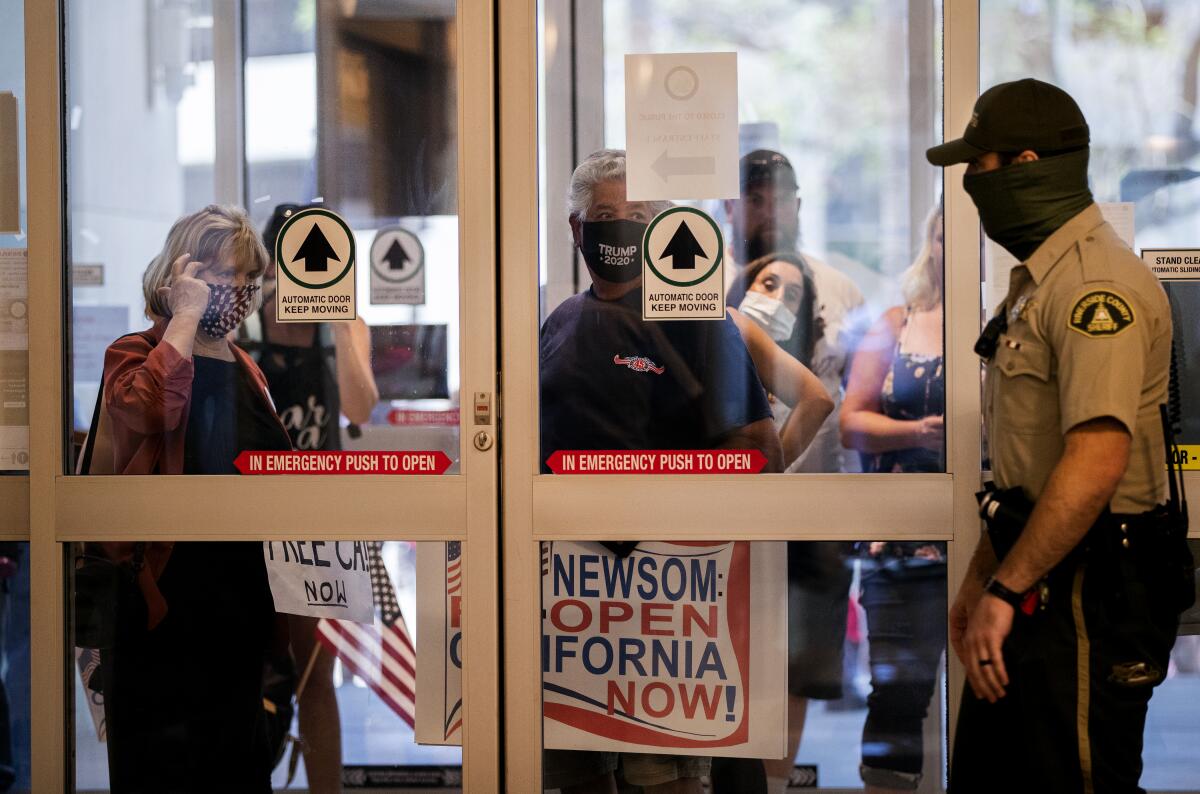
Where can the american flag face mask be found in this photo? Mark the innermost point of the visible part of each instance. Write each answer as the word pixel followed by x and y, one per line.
pixel 227 307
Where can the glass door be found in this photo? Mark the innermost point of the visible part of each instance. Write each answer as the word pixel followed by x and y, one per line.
pixel 652 450
pixel 265 265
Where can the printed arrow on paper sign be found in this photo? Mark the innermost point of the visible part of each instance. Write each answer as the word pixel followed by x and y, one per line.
pixel 667 166
pixel 315 251
pixel 396 256
pixel 683 249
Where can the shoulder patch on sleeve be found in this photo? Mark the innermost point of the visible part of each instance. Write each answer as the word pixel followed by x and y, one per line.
pixel 1101 313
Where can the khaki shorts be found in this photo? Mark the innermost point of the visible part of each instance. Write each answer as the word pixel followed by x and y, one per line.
pixel 572 767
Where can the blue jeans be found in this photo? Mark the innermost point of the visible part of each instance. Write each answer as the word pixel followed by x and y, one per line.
pixel 905 601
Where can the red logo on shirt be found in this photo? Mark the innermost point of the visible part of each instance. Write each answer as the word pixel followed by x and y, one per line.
pixel 639 364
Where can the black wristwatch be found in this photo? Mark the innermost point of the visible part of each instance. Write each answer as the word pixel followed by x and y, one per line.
pixel 1010 597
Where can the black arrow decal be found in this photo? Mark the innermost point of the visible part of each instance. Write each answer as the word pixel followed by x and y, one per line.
pixel 683 249
pixel 396 256
pixel 315 251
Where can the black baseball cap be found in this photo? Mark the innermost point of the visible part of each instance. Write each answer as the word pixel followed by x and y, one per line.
pixel 275 223
pixel 766 166
pixel 1013 117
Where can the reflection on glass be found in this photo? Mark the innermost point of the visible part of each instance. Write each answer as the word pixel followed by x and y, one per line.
pixel 175 664
pixel 14 313
pixel 865 639
pixel 839 215
pixel 330 137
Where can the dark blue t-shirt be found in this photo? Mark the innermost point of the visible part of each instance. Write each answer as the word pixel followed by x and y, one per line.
pixel 610 380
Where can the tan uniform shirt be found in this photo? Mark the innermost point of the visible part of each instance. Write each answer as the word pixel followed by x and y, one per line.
pixel 1089 336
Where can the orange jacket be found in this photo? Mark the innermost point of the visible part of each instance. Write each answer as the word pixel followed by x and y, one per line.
pixel 147 392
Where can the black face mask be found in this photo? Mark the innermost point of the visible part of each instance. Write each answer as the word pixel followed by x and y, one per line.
pixel 1022 204
pixel 612 249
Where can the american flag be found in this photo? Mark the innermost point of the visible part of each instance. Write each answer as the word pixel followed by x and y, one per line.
pixel 453 567
pixel 381 654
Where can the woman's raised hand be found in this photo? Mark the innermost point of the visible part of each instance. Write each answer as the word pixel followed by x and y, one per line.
pixel 187 294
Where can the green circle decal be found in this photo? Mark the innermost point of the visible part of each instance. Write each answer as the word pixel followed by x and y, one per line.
pixel 279 258
pixel 382 235
pixel 649 258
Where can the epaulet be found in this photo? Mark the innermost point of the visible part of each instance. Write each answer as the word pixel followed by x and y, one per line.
pixel 1095 252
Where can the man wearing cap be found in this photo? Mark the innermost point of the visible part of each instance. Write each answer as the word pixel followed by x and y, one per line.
pixel 1067 616
pixel 766 220
pixel 609 380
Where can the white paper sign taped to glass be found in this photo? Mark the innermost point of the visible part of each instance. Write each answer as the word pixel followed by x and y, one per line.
pixel 439 654
pixel 683 267
pixel 397 268
pixel 678 648
pixel 14 360
pixel 314 254
pixel 681 126
pixel 321 578
pixel 1173 264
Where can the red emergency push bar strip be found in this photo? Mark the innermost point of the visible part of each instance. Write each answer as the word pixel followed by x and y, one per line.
pixel 434 462
pixel 657 461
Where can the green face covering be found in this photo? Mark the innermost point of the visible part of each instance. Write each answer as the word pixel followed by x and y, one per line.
pixel 1022 204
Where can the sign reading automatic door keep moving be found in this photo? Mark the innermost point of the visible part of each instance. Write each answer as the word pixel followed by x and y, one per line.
pixel 397 267
pixel 683 275
pixel 315 257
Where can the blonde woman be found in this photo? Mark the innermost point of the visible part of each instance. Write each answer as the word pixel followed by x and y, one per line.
pixel 893 415
pixel 182 680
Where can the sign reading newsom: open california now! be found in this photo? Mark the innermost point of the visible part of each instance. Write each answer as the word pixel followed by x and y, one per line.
pixel 677 648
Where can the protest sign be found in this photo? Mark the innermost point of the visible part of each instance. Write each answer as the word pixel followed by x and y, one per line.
pixel 87 661
pixel 324 579
pixel 678 648
pixel 439 643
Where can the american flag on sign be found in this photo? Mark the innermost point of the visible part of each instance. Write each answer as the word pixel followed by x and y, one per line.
pixel 381 654
pixel 453 567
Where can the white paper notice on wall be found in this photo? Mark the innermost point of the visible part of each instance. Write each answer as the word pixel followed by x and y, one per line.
pixel 14 360
pixel 681 126
pixel 999 263
pixel 1173 264
pixel 10 181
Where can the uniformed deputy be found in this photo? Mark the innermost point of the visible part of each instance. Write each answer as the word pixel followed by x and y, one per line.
pixel 1066 620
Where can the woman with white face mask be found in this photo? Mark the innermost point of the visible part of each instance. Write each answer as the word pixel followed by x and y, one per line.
pixel 774 306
